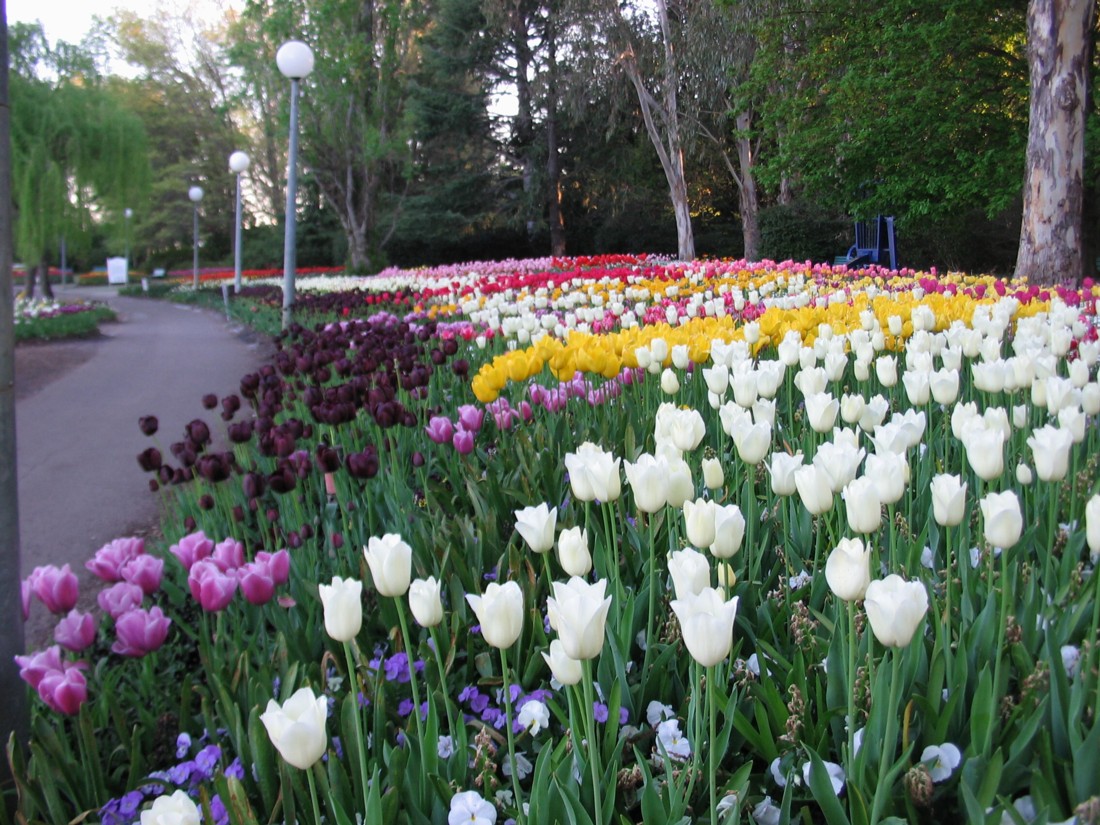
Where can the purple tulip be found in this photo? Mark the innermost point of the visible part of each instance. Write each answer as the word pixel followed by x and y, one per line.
pixel 212 588
pixel 440 430
pixel 278 563
pixel 33 667
pixel 228 554
pixel 25 592
pixel 470 417
pixel 76 631
pixel 64 690
pixel 148 424
pixel 192 548
pixel 108 561
pixel 119 598
pixel 145 571
pixel 463 441
pixel 140 632
pixel 57 588
pixel 257 583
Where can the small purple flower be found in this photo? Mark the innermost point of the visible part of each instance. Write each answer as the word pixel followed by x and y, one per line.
pixel 338 746
pixel 599 711
pixel 236 769
pixel 217 808
pixel 129 804
pixel 494 717
pixel 207 759
pixel 404 707
pixel 491 576
pixel 467 693
pixel 479 703
pixel 180 774
pixel 624 716
pixel 183 745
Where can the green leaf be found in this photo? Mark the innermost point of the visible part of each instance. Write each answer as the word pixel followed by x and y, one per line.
pixel 822 788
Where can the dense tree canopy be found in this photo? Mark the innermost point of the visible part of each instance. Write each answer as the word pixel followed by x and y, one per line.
pixel 460 129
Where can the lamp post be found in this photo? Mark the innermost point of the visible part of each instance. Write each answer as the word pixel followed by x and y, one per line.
pixel 238 163
pixel 295 61
pixel 127 214
pixel 195 194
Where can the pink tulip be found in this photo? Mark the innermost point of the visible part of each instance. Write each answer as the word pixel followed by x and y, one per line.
pixel 257 583
pixel 192 548
pixel 145 571
pixel 470 417
pixel 212 588
pixel 64 690
pixel 108 561
pixel 33 667
pixel 140 632
pixel 57 588
pixel 120 597
pixel 464 441
pixel 439 429
pixel 76 631
pixel 25 590
pixel 278 563
pixel 229 554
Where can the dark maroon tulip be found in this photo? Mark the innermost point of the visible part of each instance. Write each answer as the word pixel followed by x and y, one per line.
pixel 240 432
pixel 450 346
pixel 148 424
pixel 328 459
pixel 294 540
pixel 231 403
pixel 189 524
pixel 461 367
pixel 282 481
pixel 306 532
pixel 238 513
pixel 149 460
pixel 213 467
pixel 254 485
pixel 418 459
pixel 198 432
pixel 165 474
pixel 272 514
pixel 337 540
pixel 209 401
pixel 249 384
pixel 362 465
pixel 206 502
pixel 437 356
pixel 153 485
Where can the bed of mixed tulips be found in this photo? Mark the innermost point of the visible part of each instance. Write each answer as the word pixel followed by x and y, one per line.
pixel 607 540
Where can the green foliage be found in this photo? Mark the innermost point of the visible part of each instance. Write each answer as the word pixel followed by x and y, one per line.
pixel 803 231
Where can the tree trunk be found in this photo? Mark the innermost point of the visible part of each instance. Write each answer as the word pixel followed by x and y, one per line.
pixel 44 272
pixel 749 202
pixel 525 120
pixel 553 161
pixel 1051 244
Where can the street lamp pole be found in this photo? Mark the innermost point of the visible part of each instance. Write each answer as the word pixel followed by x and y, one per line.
pixel 295 61
pixel 195 194
pixel 238 163
pixel 127 214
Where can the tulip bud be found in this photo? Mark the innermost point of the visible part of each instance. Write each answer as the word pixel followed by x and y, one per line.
pixel 729 531
pixel 670 384
pixel 425 601
pixel 713 476
pixel 390 562
pixel 895 608
pixel 948 500
pixel 500 613
pixel 297 728
pixel 1023 474
pixel 573 553
pixel 566 670
pixel 848 570
pixel 343 607
pixel 690 572
pixel 1004 523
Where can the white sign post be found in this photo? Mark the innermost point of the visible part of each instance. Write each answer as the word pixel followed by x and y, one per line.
pixel 117 270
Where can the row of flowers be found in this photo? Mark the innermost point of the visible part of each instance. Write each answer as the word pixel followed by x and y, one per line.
pixel 850 575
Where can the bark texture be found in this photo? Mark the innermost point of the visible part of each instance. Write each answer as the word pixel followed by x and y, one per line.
pixel 1051 243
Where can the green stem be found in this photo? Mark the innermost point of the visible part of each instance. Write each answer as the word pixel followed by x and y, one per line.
pixel 361 740
pixel 653 579
pixel 947 633
pixel 409 656
pixel 888 741
pixel 588 711
pixel 442 682
pixel 852 644
pixel 712 755
pixel 511 737
pixel 313 795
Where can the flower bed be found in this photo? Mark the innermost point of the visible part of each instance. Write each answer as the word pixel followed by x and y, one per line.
pixel 850 576
pixel 43 319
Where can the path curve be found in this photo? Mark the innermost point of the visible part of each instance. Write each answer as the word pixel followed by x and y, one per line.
pixel 77 437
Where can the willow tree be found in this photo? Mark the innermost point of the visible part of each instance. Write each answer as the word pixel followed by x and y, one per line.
pixel 77 157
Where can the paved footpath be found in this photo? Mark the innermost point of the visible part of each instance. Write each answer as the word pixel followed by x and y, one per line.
pixel 77 437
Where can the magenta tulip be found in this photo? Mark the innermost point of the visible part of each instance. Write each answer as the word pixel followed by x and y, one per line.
pixel 108 561
pixel 57 588
pixel 140 632
pixel 440 429
pixel 278 563
pixel 145 571
pixel 228 554
pixel 25 592
pixel 257 583
pixel 464 441
pixel 470 417
pixel 64 690
pixel 33 667
pixel 211 587
pixel 119 598
pixel 191 548
pixel 76 631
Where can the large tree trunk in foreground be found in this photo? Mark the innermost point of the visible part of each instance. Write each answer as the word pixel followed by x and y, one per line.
pixel 1051 241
